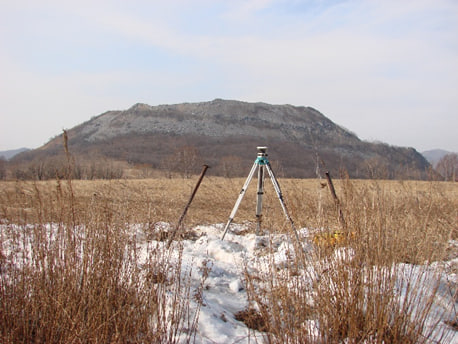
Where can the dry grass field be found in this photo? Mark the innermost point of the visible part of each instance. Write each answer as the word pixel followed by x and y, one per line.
pixel 409 213
pixel 82 284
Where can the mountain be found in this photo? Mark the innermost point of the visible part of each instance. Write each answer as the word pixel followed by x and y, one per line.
pixel 8 154
pixel 434 155
pixel 225 133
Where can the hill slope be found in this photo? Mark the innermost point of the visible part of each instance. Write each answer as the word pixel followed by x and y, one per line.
pixel 225 133
pixel 434 155
pixel 8 154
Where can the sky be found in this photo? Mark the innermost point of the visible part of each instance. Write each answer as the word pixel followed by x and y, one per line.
pixel 386 70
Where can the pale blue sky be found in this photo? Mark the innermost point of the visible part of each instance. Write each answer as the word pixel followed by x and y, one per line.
pixel 386 70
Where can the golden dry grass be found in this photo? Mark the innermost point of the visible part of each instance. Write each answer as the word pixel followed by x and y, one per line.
pixel 163 199
pixel 390 222
pixel 410 220
pixel 70 270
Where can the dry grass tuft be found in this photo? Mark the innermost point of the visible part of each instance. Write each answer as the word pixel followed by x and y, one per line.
pixel 363 290
pixel 71 271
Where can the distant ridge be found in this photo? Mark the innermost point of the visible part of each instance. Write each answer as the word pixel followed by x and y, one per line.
pixel 434 155
pixel 8 154
pixel 224 131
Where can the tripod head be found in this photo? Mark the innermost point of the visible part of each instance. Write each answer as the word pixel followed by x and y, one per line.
pixel 262 156
pixel 262 150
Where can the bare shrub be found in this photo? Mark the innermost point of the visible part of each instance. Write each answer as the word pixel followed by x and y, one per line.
pixel 81 280
pixel 361 291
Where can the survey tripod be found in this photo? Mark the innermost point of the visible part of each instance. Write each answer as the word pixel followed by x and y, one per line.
pixel 261 163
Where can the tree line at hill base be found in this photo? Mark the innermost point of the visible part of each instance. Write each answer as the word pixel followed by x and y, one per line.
pixel 185 161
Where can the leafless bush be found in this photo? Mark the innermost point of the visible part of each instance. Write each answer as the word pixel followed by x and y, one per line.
pixel 81 279
pixel 359 290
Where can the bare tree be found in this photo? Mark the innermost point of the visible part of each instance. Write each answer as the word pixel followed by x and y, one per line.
pixel 168 165
pixel 377 168
pixel 230 166
pixel 3 164
pixel 185 160
pixel 188 160
pixel 447 166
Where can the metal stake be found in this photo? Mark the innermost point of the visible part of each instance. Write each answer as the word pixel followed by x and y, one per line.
pixel 172 235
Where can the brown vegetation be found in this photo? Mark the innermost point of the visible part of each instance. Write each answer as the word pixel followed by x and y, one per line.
pixel 80 281
pixel 399 210
pixel 447 166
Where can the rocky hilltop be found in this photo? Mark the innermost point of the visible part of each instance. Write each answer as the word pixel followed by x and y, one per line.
pixel 218 118
pixel 225 133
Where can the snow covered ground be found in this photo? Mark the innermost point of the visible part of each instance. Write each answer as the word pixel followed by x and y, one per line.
pixel 225 294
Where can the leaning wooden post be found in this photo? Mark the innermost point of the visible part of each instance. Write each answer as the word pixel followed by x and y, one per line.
pixel 173 233
pixel 336 200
